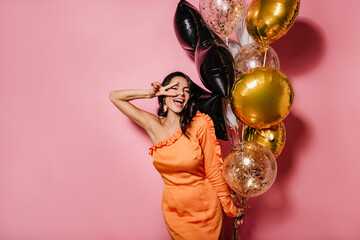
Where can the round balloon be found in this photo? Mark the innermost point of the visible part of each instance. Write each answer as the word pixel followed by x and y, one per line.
pixel 273 138
pixel 222 16
pixel 268 20
pixel 262 97
pixel 252 56
pixel 249 169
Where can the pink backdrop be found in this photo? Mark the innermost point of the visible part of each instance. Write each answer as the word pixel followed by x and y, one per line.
pixel 73 167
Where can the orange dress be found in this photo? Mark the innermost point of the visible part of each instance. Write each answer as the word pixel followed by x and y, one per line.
pixel 194 190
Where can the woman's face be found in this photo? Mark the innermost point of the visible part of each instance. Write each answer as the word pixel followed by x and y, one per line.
pixel 181 93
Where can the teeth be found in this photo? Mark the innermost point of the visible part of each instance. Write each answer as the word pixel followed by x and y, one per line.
pixel 179 101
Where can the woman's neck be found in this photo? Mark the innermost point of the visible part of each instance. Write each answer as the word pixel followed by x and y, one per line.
pixel 172 120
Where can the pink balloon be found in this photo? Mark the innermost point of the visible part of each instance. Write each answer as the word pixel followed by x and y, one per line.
pixel 222 16
pixel 252 56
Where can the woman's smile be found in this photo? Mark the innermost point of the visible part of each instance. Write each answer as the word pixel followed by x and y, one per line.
pixel 181 93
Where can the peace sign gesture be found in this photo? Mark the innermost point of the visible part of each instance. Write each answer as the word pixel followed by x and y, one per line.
pixel 159 90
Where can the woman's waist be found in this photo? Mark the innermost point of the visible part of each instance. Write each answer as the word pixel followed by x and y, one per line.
pixel 184 180
pixel 199 195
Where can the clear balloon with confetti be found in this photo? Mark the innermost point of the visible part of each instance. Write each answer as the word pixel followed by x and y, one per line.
pixel 250 169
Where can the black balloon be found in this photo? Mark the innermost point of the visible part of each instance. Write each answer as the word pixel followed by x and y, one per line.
pixel 211 104
pixel 214 63
pixel 187 22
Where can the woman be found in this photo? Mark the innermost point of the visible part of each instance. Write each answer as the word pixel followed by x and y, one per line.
pixel 186 154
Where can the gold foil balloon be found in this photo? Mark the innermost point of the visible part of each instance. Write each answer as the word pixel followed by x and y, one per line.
pixel 253 55
pixel 249 169
pixel 262 97
pixel 268 20
pixel 273 138
pixel 222 16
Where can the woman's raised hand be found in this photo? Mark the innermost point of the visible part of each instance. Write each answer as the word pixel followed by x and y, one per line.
pixel 158 90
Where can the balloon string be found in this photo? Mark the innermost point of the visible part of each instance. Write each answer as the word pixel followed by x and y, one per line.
pixel 235 235
pixel 231 138
pixel 265 57
pixel 242 131
pixel 237 134
pixel 243 205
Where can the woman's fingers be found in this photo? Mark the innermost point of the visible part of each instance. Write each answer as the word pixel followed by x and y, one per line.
pixel 168 94
pixel 240 221
pixel 156 84
pixel 162 90
pixel 170 85
pixel 240 216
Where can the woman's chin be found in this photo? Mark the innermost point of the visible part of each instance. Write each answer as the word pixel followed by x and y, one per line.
pixel 177 110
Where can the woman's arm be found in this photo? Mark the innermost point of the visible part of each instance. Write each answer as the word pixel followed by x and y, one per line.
pixel 146 120
pixel 121 98
pixel 213 164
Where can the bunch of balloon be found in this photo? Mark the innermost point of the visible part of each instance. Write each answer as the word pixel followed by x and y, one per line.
pixel 214 62
pixel 244 81
pixel 261 97
pixel 222 17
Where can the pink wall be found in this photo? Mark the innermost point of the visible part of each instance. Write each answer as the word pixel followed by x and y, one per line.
pixel 73 167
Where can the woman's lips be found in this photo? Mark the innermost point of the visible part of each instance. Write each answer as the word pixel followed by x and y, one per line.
pixel 179 102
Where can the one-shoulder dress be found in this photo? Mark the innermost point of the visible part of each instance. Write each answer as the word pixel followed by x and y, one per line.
pixel 194 190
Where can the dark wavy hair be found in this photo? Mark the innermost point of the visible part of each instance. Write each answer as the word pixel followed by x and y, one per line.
pixel 190 108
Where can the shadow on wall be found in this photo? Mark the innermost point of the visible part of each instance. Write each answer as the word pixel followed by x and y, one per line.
pixel 299 51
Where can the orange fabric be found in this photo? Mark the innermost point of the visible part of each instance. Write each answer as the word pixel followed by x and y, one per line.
pixel 194 190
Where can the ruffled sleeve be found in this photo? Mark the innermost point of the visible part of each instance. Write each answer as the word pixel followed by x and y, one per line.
pixel 167 142
pixel 213 162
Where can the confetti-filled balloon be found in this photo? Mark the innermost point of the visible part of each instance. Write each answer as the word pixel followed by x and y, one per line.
pixel 273 138
pixel 262 97
pixel 222 16
pixel 268 20
pixel 249 169
pixel 253 55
